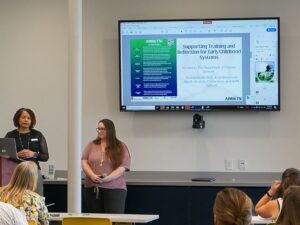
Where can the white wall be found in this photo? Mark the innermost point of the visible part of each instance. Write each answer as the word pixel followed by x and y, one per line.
pixel 33 70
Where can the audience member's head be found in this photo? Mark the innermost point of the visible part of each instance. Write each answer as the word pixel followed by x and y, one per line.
pixel 232 207
pixel 290 207
pixel 11 216
pixel 290 176
pixel 24 178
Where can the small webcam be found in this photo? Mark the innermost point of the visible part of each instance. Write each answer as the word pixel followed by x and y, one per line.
pixel 198 122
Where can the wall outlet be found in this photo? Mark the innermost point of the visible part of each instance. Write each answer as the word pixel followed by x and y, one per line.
pixel 228 164
pixel 242 164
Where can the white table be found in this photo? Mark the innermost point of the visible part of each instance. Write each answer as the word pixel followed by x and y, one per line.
pixel 131 218
pixel 260 220
pixel 115 218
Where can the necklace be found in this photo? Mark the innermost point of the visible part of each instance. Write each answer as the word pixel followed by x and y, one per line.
pixel 102 157
pixel 28 136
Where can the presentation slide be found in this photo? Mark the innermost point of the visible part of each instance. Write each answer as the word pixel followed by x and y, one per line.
pixel 211 67
pixel 153 66
pixel 181 67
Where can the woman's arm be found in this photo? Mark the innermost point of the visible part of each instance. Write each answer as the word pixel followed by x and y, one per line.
pixel 114 174
pixel 266 207
pixel 119 171
pixel 89 172
pixel 43 215
pixel 43 155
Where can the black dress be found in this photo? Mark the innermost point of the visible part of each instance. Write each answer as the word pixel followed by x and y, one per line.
pixel 34 141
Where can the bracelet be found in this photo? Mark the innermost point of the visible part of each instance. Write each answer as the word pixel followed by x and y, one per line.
pixel 270 196
pixel 36 154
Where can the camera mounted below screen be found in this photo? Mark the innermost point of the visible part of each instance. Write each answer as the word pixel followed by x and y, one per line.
pixel 198 122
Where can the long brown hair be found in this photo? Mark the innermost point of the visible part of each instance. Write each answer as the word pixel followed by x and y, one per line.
pixel 24 178
pixel 232 207
pixel 114 145
pixel 289 214
pixel 290 176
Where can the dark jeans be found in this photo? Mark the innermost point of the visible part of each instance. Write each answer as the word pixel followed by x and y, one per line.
pixel 108 201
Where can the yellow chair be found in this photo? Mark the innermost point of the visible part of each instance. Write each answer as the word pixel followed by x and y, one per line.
pixel 85 221
pixel 32 222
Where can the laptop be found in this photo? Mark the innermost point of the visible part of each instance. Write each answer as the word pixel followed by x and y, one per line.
pixel 8 149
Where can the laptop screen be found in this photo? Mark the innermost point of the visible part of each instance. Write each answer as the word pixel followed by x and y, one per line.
pixel 8 148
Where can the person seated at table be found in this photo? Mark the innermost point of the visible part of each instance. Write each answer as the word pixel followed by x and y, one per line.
pixel 289 214
pixel 9 215
pixel 232 207
pixel 19 192
pixel 267 207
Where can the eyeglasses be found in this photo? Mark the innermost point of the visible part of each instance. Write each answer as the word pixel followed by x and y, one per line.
pixel 100 129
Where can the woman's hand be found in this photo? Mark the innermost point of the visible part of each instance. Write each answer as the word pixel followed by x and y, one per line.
pixel 113 175
pixel 95 178
pixel 274 187
pixel 26 153
pixel 105 178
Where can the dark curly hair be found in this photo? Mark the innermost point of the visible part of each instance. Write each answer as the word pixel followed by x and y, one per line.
pixel 18 115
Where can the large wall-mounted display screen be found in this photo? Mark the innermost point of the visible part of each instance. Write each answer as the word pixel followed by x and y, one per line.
pixel 199 65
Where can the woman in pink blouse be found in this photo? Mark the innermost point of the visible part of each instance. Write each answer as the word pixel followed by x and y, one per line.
pixel 104 162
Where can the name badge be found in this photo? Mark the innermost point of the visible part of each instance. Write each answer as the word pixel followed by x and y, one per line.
pixel 34 139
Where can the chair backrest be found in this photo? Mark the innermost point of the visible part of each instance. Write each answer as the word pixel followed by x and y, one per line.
pixel 85 221
pixel 32 222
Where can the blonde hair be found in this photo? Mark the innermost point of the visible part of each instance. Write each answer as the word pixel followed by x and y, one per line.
pixel 232 207
pixel 24 178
